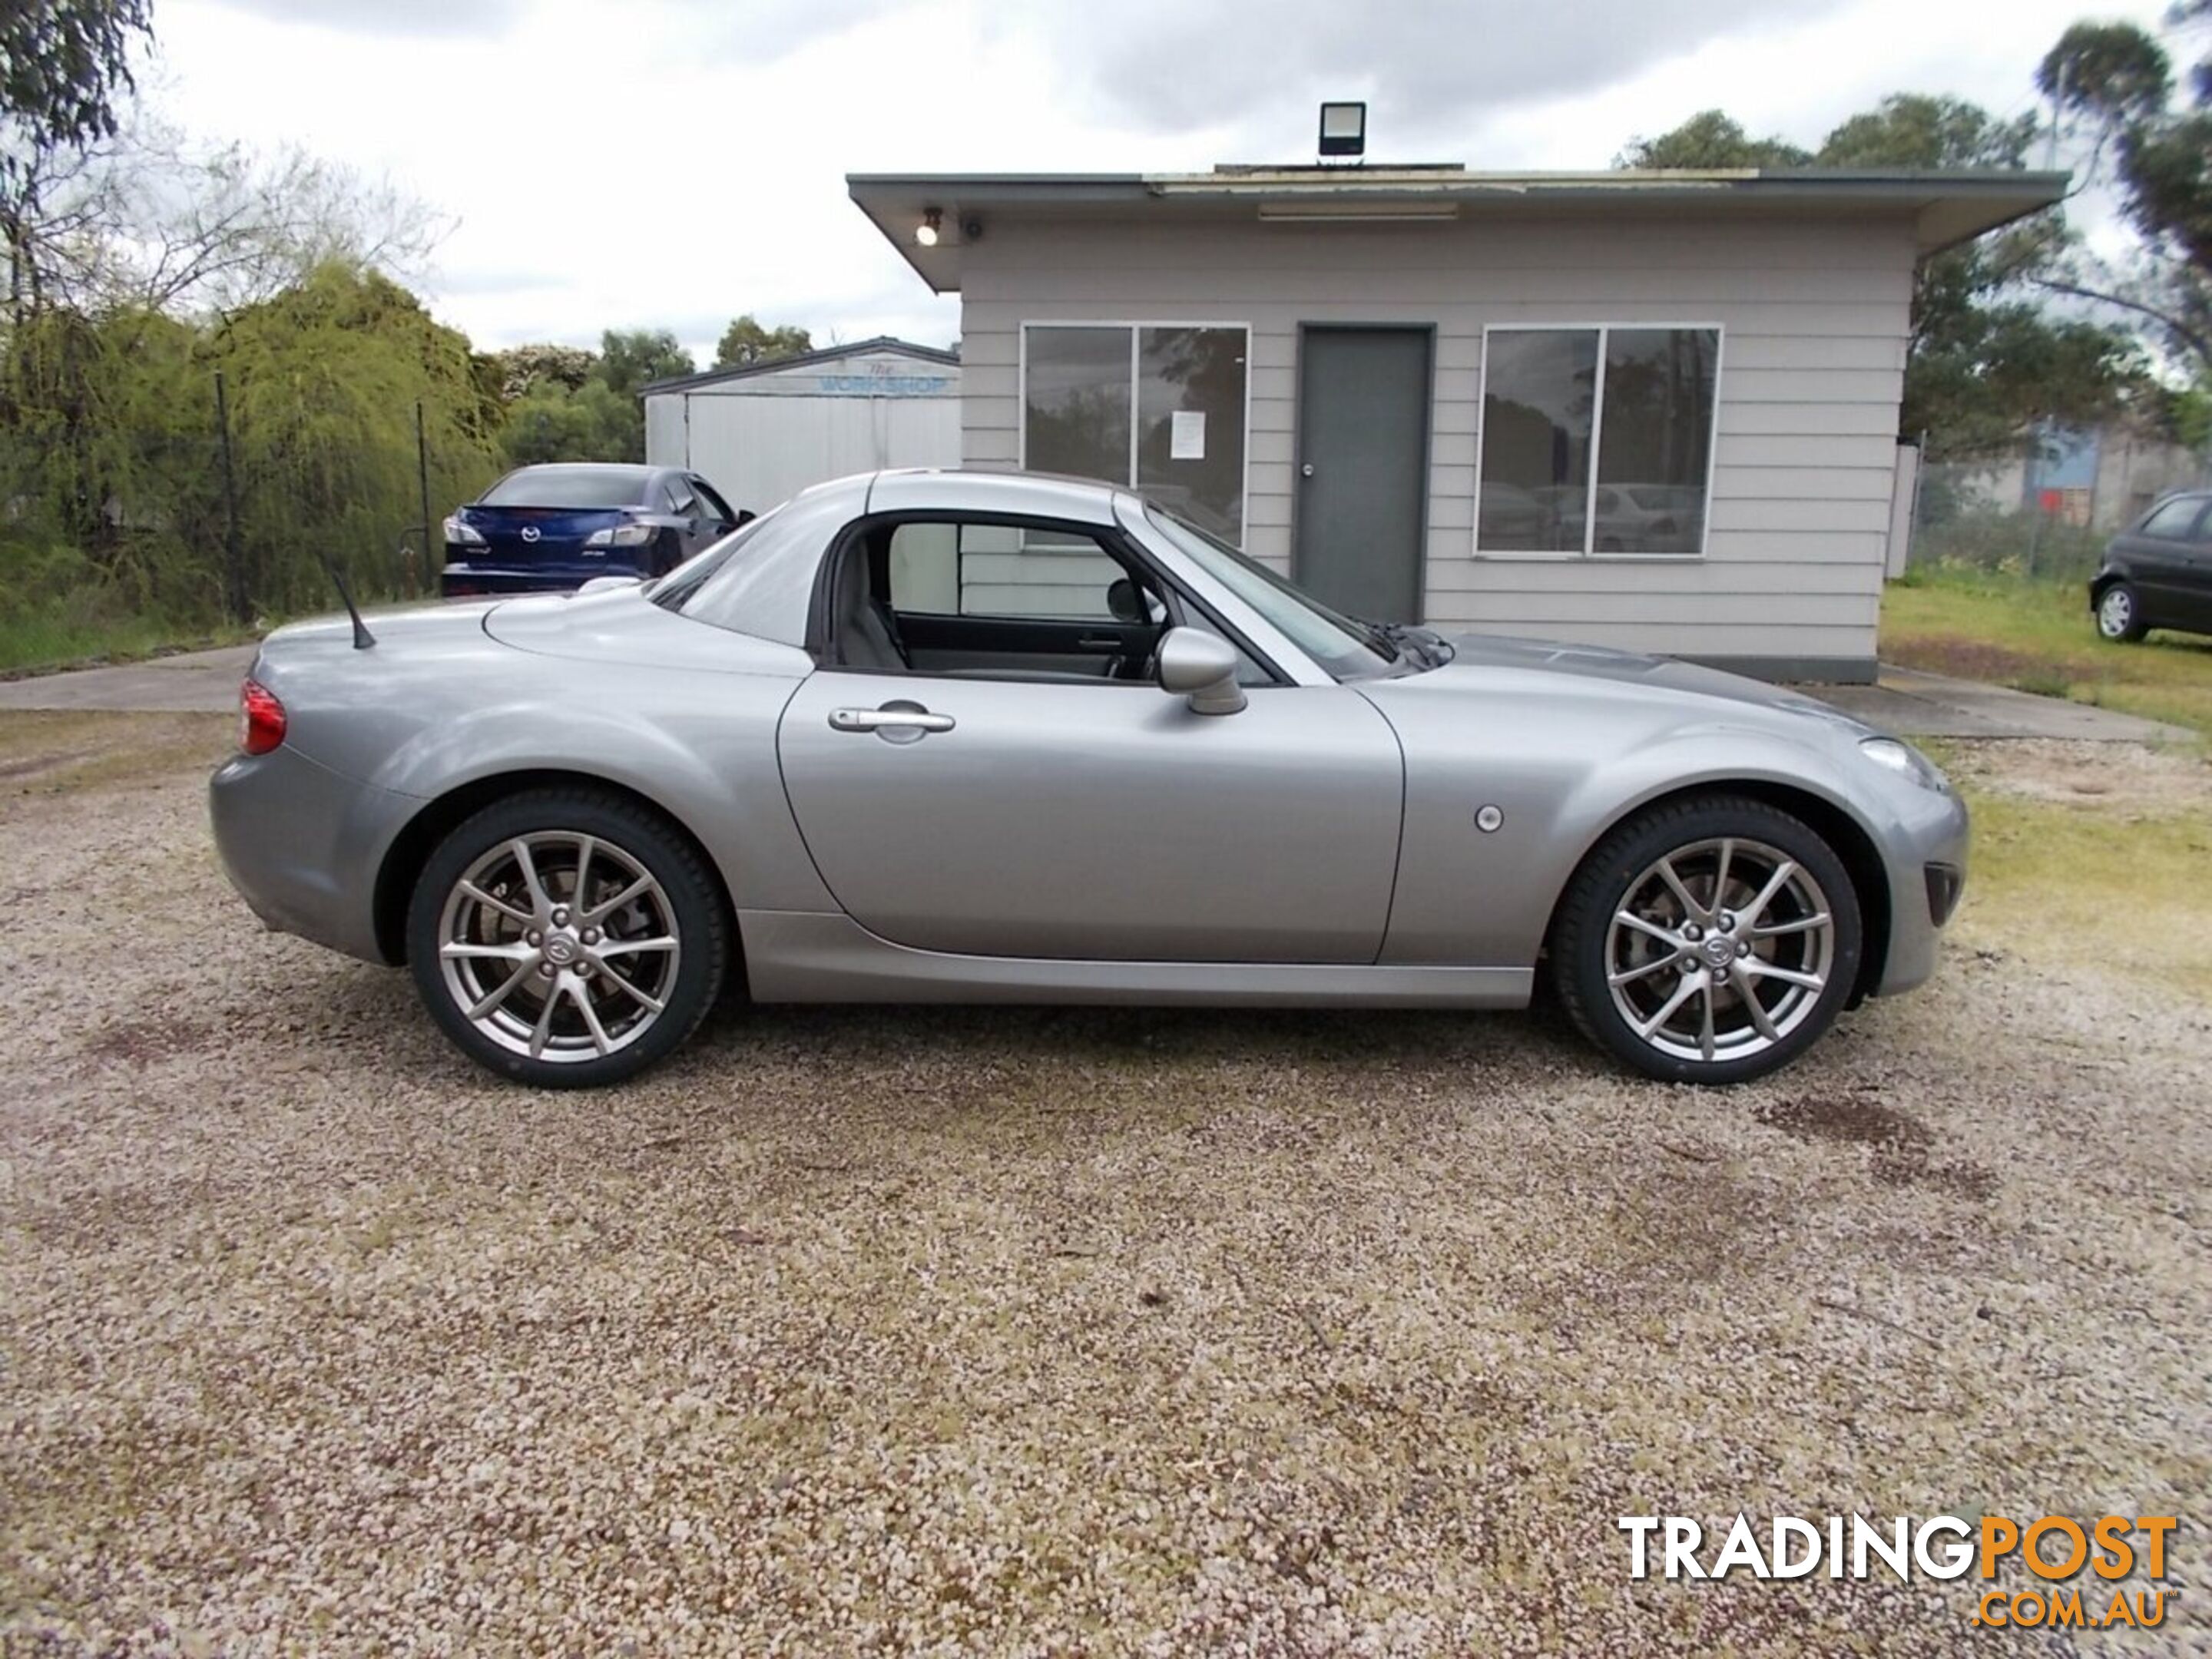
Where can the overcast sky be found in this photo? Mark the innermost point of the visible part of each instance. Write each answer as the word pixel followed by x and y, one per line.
pixel 670 163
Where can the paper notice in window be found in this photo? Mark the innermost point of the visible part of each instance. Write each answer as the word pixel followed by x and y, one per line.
pixel 1187 435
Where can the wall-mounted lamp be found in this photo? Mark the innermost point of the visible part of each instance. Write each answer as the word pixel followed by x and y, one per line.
pixel 1344 129
pixel 933 222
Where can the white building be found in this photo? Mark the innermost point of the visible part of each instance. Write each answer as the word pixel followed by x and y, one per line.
pixel 1649 410
pixel 764 432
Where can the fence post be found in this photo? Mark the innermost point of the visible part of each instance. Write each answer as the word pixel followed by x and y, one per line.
pixel 422 482
pixel 236 604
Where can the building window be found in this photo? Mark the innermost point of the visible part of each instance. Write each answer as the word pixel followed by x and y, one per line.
pixel 1156 406
pixel 1596 441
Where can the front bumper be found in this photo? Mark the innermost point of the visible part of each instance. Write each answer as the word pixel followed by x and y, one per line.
pixel 1925 854
pixel 303 845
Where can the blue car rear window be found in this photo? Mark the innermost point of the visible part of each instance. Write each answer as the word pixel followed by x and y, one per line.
pixel 568 486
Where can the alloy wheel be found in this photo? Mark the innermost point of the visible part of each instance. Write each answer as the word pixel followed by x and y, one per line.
pixel 1720 950
pixel 2116 613
pixel 559 945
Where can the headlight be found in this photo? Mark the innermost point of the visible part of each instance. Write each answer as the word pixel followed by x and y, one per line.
pixel 622 535
pixel 464 535
pixel 1903 759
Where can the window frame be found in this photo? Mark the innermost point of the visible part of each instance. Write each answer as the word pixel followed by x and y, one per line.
pixel 1131 326
pixel 1589 551
pixel 1115 540
pixel 711 498
pixel 2197 527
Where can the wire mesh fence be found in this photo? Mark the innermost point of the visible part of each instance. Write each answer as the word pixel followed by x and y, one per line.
pixel 2047 514
pixel 211 515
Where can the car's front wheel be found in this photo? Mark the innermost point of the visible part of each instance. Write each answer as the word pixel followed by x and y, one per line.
pixel 1709 940
pixel 2119 615
pixel 567 937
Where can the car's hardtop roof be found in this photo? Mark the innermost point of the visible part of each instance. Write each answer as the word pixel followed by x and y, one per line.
pixel 1016 494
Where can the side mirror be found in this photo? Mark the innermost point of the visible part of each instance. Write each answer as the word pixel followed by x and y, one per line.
pixel 1202 667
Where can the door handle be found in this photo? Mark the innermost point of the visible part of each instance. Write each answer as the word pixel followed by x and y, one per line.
pixel 889 720
pixel 1099 641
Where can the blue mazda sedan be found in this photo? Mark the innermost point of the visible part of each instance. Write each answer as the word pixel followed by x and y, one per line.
pixel 544 529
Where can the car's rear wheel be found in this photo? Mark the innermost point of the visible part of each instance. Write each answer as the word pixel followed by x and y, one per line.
pixel 2119 615
pixel 567 937
pixel 1711 940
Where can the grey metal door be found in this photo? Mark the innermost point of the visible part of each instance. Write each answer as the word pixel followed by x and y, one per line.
pixel 1102 822
pixel 1363 468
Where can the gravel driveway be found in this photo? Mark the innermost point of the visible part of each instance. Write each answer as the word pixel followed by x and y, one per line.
pixel 1038 1330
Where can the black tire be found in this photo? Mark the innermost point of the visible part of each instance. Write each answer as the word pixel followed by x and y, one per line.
pixel 1584 940
pixel 627 840
pixel 2119 615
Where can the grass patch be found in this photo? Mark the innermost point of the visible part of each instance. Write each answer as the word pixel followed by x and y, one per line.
pixel 44 752
pixel 2038 636
pixel 47 643
pixel 2048 878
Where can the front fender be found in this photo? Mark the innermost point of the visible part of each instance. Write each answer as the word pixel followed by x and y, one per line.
pixel 1561 772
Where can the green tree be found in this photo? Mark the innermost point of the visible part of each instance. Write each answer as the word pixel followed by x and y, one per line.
pixel 1985 364
pixel 747 341
pixel 1711 139
pixel 587 423
pixel 63 64
pixel 2117 83
pixel 632 359
pixel 520 370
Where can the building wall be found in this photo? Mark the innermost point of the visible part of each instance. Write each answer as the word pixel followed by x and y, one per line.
pixel 762 438
pixel 1814 312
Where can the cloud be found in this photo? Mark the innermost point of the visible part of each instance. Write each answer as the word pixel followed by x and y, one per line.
pixel 447 18
pixel 1424 62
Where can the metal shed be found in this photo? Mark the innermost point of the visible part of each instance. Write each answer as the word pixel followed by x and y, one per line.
pixel 763 432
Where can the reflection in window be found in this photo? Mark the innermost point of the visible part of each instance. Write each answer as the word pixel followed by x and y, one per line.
pixel 1650 393
pixel 1198 375
pixel 1185 447
pixel 1538 387
pixel 1075 403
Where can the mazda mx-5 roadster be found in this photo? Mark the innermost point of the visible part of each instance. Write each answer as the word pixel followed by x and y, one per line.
pixel 937 736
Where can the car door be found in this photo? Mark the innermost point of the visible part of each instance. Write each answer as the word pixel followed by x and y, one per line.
pixel 683 502
pixel 2158 555
pixel 2193 578
pixel 1095 819
pixel 715 520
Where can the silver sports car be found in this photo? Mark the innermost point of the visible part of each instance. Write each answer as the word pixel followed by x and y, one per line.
pixel 952 737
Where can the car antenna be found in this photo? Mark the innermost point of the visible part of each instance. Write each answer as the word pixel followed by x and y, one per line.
pixel 362 639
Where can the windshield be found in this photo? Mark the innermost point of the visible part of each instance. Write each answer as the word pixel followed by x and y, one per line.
pixel 568 486
pixel 1347 649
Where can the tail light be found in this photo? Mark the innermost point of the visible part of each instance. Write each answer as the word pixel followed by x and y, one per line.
pixel 260 719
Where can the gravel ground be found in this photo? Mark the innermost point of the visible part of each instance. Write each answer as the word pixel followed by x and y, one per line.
pixel 1037 1332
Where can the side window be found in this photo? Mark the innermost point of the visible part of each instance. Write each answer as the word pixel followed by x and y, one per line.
pixel 2174 521
pixel 996 570
pixel 712 500
pixel 682 502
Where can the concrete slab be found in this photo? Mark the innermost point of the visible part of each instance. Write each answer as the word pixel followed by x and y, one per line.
pixel 1913 704
pixel 189 682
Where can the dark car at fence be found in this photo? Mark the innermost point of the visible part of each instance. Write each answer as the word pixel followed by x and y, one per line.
pixel 2157 573
pixel 543 529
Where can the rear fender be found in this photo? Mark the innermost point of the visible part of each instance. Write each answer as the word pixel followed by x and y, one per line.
pixel 714 773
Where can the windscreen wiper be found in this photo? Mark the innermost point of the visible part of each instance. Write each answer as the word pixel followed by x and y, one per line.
pixel 1425 645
